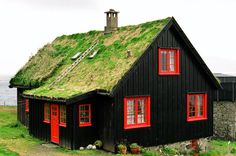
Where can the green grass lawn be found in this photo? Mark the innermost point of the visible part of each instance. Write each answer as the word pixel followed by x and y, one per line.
pixel 220 147
pixel 4 151
pixel 15 140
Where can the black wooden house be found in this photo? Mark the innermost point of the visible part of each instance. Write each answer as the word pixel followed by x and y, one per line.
pixel 144 83
pixel 228 91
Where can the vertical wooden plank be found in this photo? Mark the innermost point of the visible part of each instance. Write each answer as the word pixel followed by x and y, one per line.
pixel 233 98
pixel 234 91
pixel 154 92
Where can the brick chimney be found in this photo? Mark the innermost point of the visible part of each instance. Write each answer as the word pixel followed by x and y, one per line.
pixel 112 21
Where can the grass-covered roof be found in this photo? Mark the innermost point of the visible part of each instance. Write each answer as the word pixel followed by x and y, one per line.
pixel 101 72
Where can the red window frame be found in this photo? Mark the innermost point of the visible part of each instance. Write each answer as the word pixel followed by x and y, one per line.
pixel 168 65
pixel 197 117
pixel 26 105
pixel 62 116
pixel 146 114
pixel 47 112
pixel 82 116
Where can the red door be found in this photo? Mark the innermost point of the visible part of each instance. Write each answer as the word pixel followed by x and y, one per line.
pixel 55 123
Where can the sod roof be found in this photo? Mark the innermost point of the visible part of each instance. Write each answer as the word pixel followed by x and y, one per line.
pixel 101 72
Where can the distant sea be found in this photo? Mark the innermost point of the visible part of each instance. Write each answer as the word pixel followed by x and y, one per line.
pixel 7 95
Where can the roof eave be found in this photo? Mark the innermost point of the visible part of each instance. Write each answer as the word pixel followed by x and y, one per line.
pixel 87 95
pixel 19 86
pixel 44 98
pixel 72 99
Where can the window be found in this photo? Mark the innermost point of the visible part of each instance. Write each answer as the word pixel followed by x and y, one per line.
pixel 85 115
pixel 196 107
pixel 136 112
pixel 46 113
pixel 168 61
pixel 62 115
pixel 26 105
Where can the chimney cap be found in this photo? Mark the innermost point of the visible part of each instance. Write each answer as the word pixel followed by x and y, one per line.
pixel 111 11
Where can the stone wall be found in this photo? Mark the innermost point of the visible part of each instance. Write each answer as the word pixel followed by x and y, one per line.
pixel 225 120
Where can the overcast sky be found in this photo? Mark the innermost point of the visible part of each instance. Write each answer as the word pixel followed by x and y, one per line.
pixel 26 25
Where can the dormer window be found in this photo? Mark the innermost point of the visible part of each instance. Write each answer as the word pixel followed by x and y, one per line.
pixel 168 61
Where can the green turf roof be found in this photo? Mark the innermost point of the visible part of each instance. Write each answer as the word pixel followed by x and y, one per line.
pixel 101 72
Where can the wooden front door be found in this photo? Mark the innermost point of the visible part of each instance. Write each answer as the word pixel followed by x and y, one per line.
pixel 55 123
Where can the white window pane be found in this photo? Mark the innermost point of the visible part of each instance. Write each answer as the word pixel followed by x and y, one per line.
pixel 130 120
pixel 163 60
pixel 130 105
pixel 172 61
pixel 141 111
pixel 172 57
pixel 130 112
pixel 172 67
pixel 191 106
pixel 200 105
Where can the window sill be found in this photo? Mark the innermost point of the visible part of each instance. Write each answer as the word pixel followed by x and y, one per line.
pixel 196 119
pixel 137 126
pixel 163 73
pixel 62 124
pixel 46 121
pixel 85 125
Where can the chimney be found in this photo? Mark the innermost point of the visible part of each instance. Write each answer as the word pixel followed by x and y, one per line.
pixel 112 21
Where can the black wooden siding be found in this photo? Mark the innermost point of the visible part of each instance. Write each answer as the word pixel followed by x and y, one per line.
pixel 37 127
pixel 84 135
pixel 72 136
pixel 102 123
pixel 228 93
pixel 42 130
pixel 66 133
pixel 22 116
pixel 168 96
